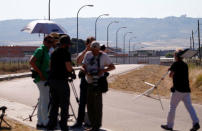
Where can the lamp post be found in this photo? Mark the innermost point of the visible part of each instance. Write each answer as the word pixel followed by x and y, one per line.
pixel 77 27
pixel 108 31
pixel 124 41
pixel 117 39
pixel 129 46
pixel 49 10
pixel 96 22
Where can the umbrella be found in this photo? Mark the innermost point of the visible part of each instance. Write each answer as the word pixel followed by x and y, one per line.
pixel 43 26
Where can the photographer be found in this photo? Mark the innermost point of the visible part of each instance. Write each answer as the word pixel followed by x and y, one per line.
pixel 39 61
pixel 61 69
pixel 83 86
pixel 95 64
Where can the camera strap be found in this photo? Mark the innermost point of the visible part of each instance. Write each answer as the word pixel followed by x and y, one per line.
pixel 42 58
pixel 98 60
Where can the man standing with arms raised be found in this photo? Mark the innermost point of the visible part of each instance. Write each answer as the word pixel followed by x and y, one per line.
pixel 83 86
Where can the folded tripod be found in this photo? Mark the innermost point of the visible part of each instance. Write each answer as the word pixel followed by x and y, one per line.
pixel 3 109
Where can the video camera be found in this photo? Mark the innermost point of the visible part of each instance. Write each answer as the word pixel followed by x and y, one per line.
pixel 71 76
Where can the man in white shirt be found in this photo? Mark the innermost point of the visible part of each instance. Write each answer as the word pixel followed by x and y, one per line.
pixel 95 64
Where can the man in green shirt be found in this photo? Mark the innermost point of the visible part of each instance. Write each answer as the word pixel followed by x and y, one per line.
pixel 40 63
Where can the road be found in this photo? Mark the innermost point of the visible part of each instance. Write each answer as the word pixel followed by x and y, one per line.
pixel 121 112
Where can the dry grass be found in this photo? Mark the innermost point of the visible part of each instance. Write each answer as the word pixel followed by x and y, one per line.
pixel 16 126
pixel 13 67
pixel 134 81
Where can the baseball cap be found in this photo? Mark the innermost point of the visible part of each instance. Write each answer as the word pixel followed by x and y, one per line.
pixel 65 39
pixel 55 35
pixel 95 45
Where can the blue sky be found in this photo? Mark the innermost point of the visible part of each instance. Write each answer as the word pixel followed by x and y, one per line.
pixel 38 9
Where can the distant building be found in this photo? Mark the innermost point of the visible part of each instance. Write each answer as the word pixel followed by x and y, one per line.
pixel 17 51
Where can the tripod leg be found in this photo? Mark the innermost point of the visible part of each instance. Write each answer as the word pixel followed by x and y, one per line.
pixel 1 119
pixel 6 123
pixel 75 93
pixel 30 116
pixel 72 110
pixel 159 99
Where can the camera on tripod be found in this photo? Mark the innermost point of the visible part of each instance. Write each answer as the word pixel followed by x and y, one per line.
pixel 71 76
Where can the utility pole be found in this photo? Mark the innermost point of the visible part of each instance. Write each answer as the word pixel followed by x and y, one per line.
pixel 190 42
pixel 199 47
pixel 193 39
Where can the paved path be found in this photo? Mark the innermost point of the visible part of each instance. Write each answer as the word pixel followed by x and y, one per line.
pixel 20 94
pixel 121 111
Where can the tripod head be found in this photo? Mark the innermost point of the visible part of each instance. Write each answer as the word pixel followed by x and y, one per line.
pixel 3 108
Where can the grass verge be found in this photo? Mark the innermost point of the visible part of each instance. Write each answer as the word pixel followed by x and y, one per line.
pixel 16 126
pixel 134 81
pixel 13 67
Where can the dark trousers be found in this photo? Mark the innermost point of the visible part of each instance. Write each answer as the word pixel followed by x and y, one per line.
pixel 94 106
pixel 59 97
pixel 82 101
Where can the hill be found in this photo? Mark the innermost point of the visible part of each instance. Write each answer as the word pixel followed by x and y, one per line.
pixel 170 32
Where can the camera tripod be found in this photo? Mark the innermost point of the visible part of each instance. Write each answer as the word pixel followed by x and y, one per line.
pixel 3 109
pixel 73 113
pixel 76 97
pixel 149 91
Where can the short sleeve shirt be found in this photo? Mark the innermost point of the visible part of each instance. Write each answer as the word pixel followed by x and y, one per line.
pixel 181 76
pixel 58 69
pixel 42 61
pixel 91 63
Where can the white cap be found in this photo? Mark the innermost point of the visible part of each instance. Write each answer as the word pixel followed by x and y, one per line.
pixel 95 44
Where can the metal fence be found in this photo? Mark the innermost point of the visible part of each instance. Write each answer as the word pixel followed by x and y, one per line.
pixel 135 60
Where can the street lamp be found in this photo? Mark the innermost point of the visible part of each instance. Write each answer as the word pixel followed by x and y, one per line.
pixel 108 31
pixel 117 39
pixel 49 10
pixel 124 40
pixel 97 20
pixel 129 46
pixel 77 27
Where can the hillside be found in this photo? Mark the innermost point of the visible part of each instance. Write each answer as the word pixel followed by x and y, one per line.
pixel 169 31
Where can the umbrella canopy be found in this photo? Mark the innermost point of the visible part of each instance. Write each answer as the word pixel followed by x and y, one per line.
pixel 43 26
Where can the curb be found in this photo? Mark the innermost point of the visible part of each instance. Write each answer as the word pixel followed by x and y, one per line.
pixel 13 76
pixel 22 75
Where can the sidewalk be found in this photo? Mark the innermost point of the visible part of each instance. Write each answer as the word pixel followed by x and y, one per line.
pixel 21 113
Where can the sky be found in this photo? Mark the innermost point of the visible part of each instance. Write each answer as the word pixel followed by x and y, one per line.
pixel 38 9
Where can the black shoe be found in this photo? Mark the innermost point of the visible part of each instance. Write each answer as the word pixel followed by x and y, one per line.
pixel 40 126
pixel 195 127
pixel 76 125
pixel 165 127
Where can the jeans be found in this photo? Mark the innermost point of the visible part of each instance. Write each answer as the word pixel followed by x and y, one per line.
pixel 43 103
pixel 175 99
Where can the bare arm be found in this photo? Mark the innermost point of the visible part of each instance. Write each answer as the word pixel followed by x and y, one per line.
pixel 32 62
pixel 81 57
pixel 171 74
pixel 109 68
pixel 68 66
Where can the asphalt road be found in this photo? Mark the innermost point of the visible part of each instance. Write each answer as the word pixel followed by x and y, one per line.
pixel 121 111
